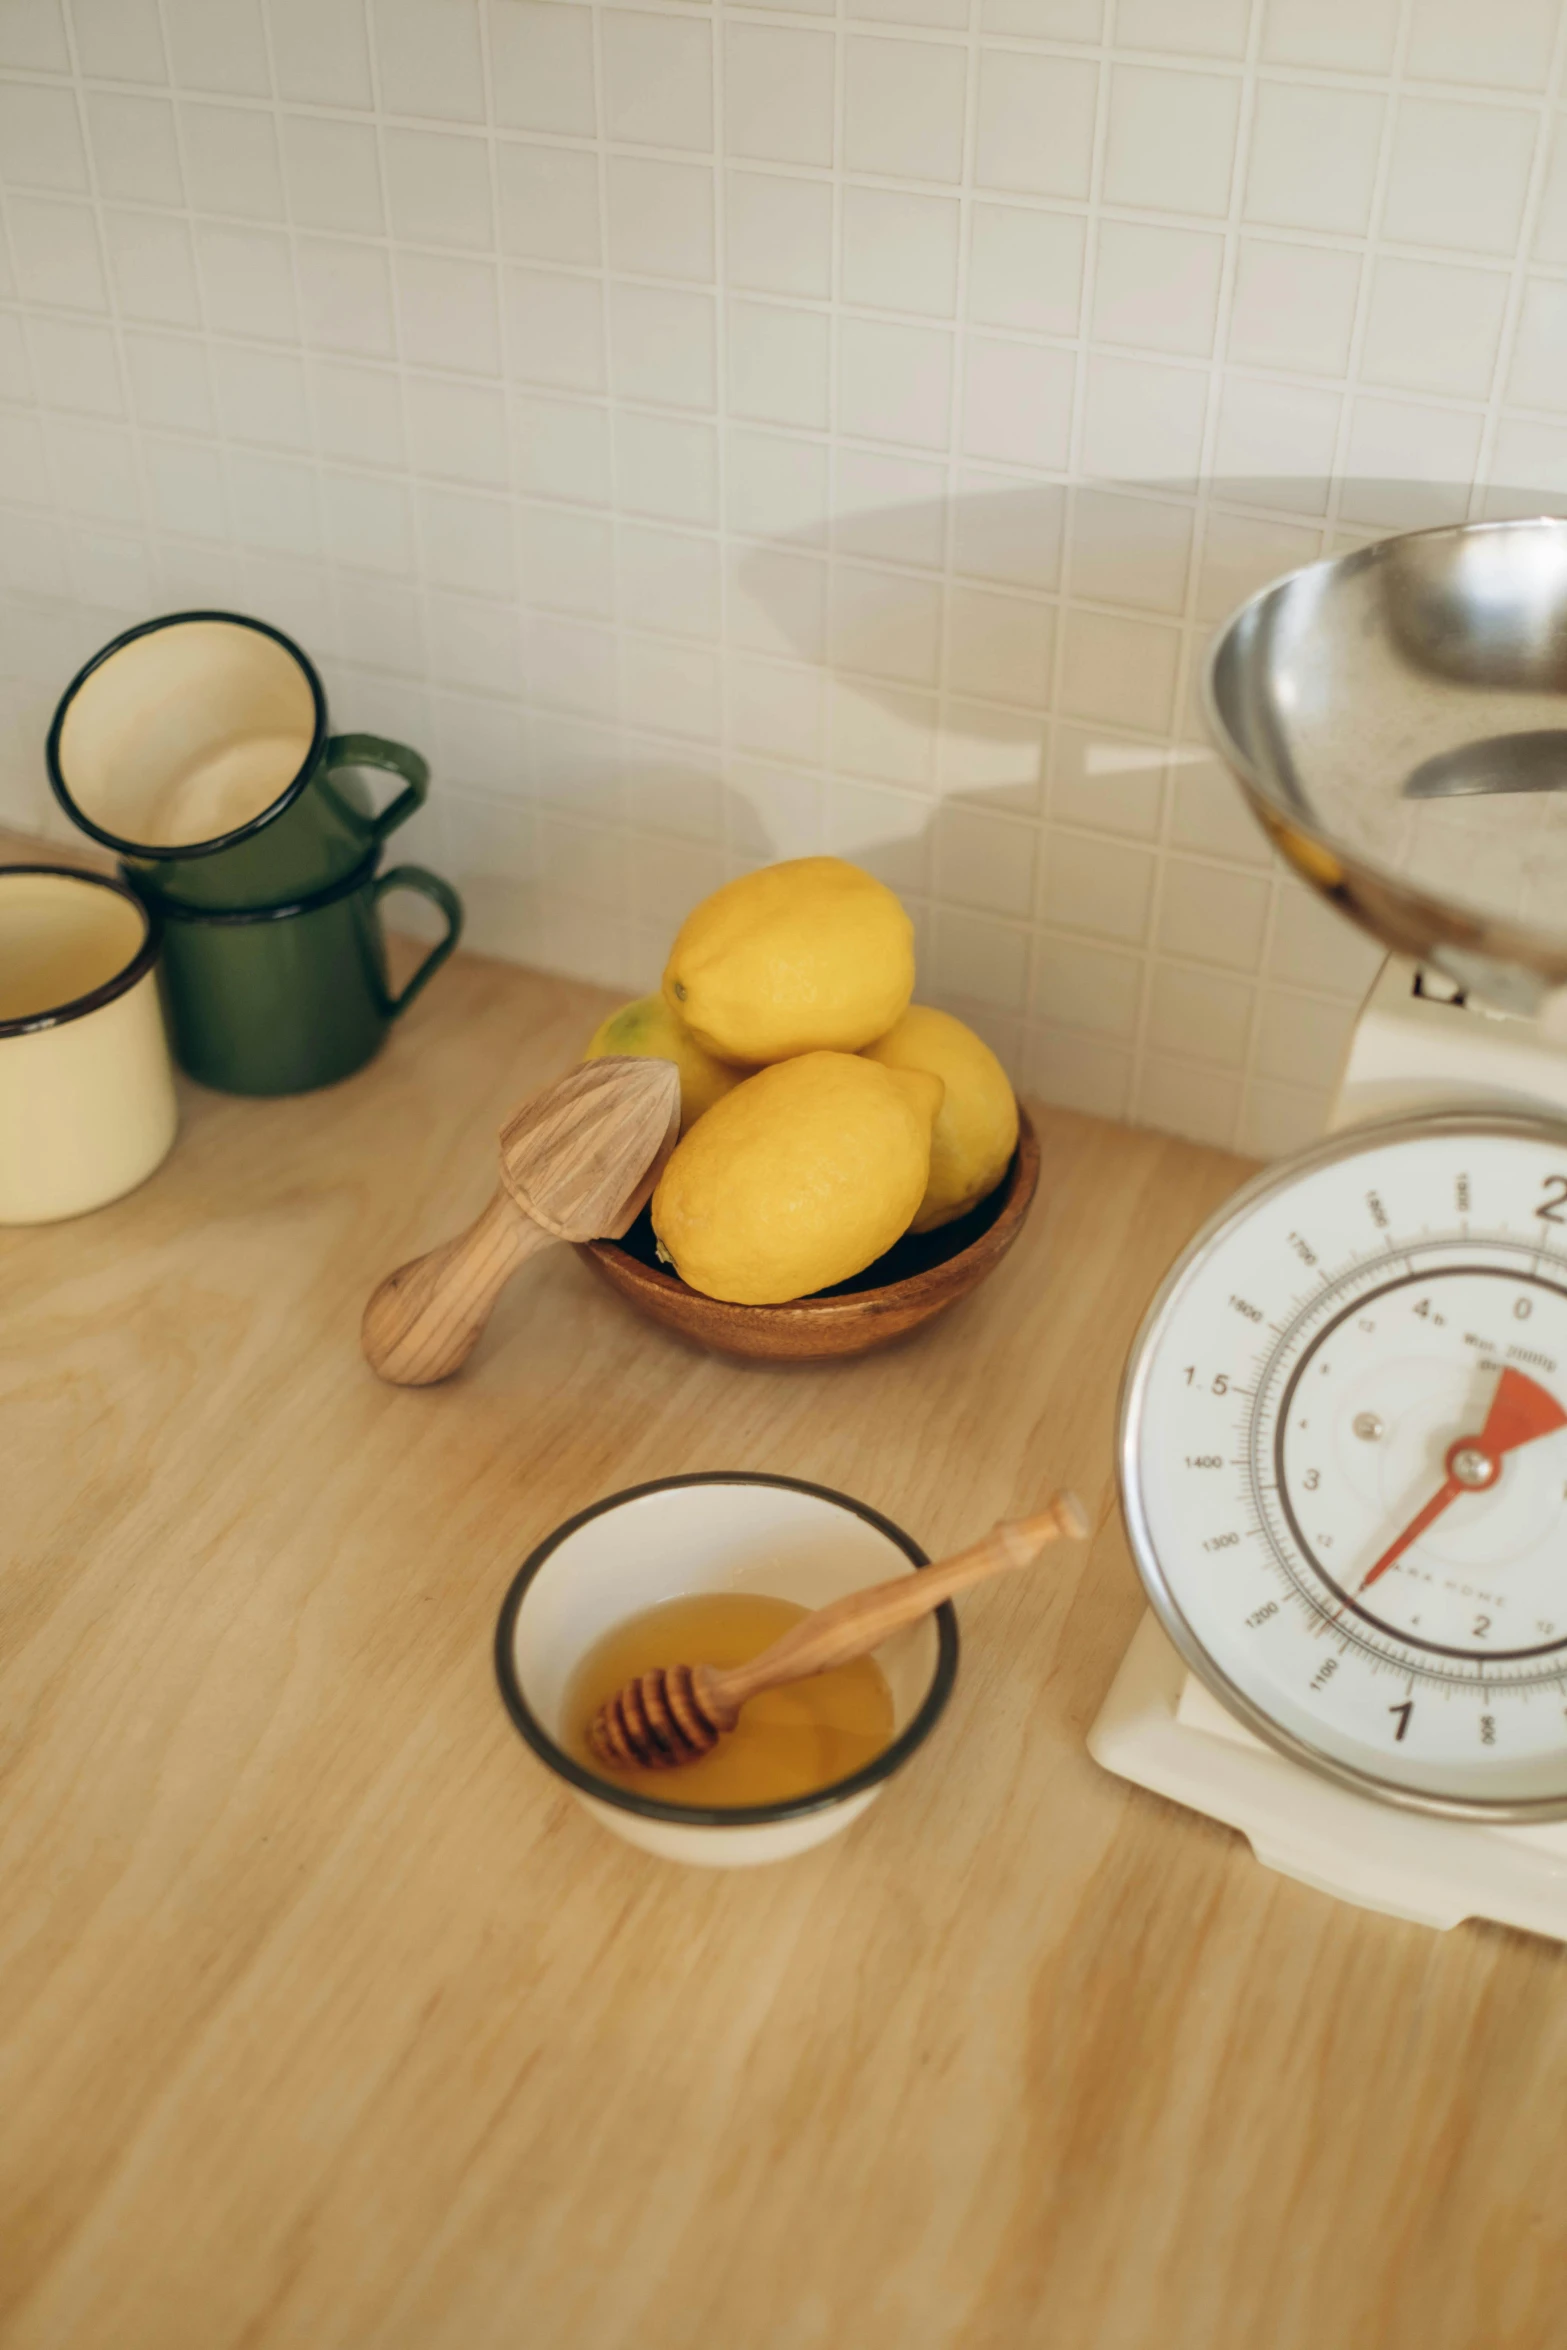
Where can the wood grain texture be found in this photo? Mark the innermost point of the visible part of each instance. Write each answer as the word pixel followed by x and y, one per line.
pixel 422 1322
pixel 862 1620
pixel 580 1159
pixel 585 1155
pixel 327 2019
pixel 827 1328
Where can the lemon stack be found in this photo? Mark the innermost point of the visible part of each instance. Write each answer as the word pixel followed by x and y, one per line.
pixel 823 1113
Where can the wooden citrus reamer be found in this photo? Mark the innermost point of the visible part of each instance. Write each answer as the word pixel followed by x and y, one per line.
pixel 678 1713
pixel 578 1162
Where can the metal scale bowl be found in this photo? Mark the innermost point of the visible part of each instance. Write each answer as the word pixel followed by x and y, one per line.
pixel 1346 1410
pixel 1398 721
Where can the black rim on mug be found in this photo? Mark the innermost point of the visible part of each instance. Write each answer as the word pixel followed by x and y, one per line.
pixel 224 840
pixel 146 892
pixel 699 1815
pixel 122 981
pixel 173 919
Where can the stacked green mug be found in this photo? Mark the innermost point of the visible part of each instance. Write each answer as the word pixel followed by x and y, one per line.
pixel 197 746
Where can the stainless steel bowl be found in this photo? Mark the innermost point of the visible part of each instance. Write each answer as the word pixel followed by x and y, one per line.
pixel 1398 719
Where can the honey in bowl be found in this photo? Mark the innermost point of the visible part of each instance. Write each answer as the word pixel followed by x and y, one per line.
pixel 787 1742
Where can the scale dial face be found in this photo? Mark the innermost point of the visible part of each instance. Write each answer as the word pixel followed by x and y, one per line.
pixel 1344 1462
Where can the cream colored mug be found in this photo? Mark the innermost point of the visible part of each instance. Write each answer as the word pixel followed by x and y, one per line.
pixel 87 1107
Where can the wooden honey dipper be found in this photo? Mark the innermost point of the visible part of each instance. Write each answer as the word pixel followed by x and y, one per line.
pixel 678 1713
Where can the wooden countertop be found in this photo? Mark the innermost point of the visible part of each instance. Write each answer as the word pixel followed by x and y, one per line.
pixel 326 2017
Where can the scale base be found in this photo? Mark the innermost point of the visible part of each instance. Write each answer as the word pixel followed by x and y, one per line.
pixel 1160 1728
pixel 1418 1045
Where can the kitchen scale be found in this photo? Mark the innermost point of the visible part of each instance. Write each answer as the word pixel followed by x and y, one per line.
pixel 1343 1440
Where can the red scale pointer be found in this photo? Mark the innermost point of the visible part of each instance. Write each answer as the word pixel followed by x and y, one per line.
pixel 1521 1410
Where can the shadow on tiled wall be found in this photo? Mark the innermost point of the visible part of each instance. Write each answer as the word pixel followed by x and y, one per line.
pixel 1013 679
pixel 989 699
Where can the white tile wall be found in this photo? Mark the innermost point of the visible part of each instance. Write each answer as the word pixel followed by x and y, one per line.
pixel 718 431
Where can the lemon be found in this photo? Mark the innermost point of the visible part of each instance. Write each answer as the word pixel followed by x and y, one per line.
pixel 648 1028
pixel 804 957
pixel 802 1176
pixel 976 1127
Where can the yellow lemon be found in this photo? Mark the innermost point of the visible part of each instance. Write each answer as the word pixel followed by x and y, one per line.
pixel 804 957
pixel 649 1029
pixel 801 1177
pixel 976 1127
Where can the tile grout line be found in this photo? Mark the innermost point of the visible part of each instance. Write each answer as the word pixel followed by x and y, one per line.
pixel 218 439
pixel 440 796
pixel 1146 946
pixel 1250 1074
pixel 1295 235
pixel 952 470
pixel 831 689
pixel 95 206
pixel 1192 629
pixel 726 747
pixel 605 148
pixel 1520 270
pixel 395 308
pixel 1076 430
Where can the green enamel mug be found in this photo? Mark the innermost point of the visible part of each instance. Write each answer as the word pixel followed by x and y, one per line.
pixel 197 747
pixel 282 999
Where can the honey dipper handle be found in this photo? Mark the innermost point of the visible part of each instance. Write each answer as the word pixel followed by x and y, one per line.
pixel 852 1626
pixel 424 1320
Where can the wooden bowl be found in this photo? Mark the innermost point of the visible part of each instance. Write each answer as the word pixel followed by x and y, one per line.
pixel 911 1284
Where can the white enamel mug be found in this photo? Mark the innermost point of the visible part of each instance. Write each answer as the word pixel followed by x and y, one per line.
pixel 87 1107
pixel 720 1531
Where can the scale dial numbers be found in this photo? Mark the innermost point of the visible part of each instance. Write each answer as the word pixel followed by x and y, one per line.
pixel 1344 1461
pixel 1360 1426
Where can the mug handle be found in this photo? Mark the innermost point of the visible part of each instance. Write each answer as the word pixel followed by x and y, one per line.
pixel 440 893
pixel 374 750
